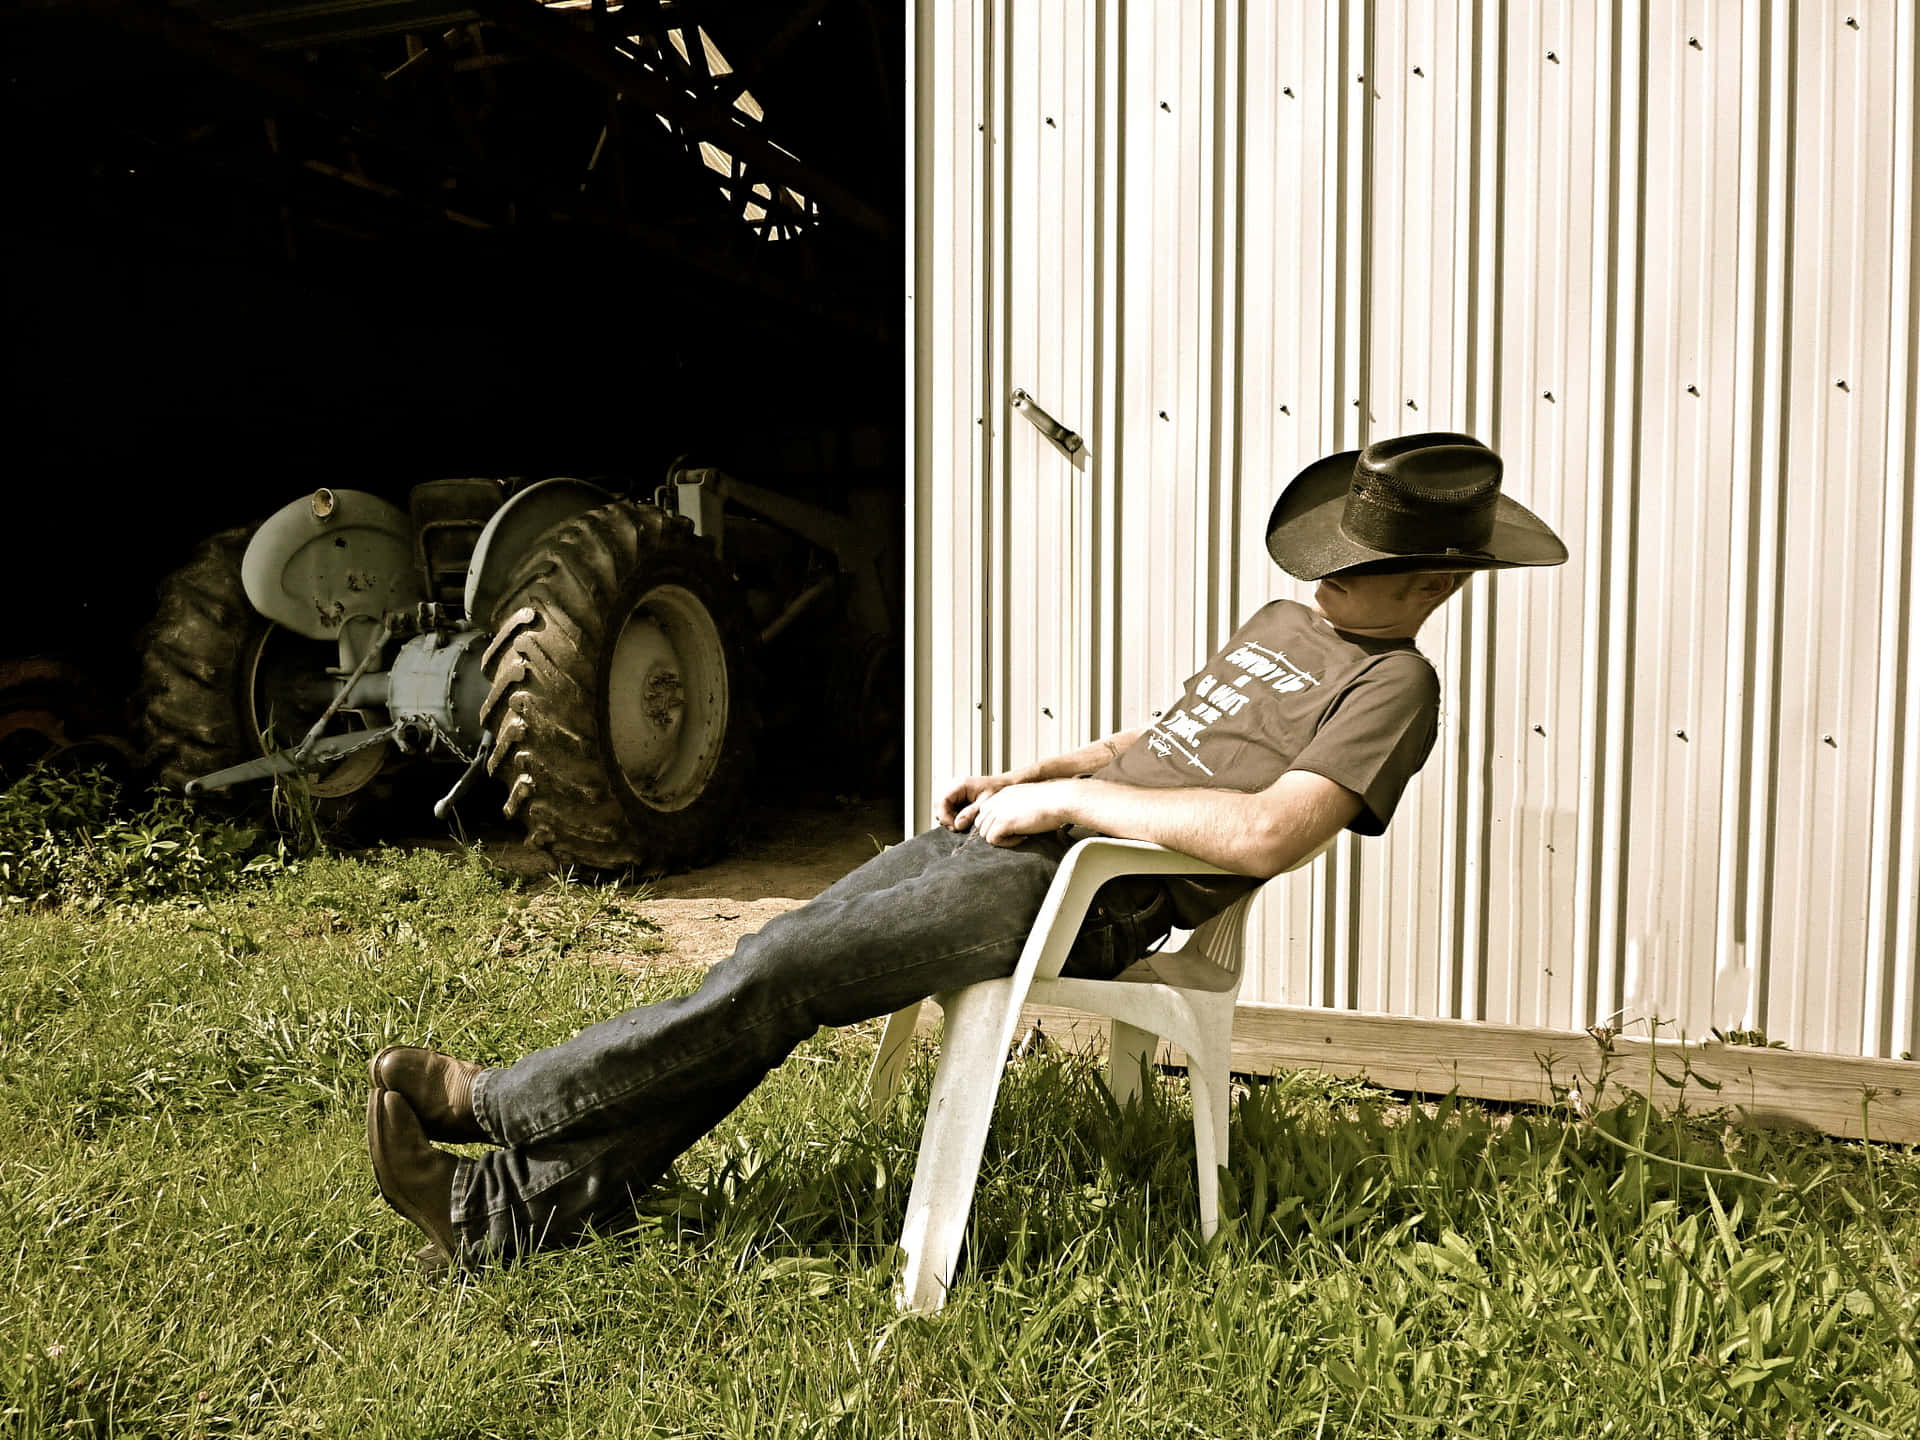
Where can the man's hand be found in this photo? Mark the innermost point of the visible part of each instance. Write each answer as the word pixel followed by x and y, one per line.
pixel 1009 814
pixel 959 805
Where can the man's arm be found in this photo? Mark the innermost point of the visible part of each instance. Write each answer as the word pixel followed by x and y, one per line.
pixel 958 806
pixel 1258 834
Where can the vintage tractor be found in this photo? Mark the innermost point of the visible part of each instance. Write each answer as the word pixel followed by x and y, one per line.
pixel 597 656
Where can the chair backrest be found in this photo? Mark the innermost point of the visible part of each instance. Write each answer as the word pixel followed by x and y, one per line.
pixel 1214 954
pixel 1210 960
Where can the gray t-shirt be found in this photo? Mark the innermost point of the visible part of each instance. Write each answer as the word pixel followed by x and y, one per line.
pixel 1290 692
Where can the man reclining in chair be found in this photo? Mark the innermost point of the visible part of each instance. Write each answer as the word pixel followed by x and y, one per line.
pixel 1308 721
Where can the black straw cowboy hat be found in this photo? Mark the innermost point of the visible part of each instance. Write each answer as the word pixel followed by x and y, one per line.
pixel 1417 502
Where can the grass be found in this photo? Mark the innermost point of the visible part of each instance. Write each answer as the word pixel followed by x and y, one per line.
pixel 192 1244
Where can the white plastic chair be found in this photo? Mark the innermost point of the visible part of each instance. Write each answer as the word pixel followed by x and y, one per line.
pixel 1186 995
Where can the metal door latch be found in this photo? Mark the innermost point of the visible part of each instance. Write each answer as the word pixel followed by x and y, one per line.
pixel 1045 423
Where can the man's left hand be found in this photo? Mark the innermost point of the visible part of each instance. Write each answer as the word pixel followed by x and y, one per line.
pixel 1006 816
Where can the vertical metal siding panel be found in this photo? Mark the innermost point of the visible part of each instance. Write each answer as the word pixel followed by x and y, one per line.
pixel 1794 1008
pixel 1615 456
pixel 1181 97
pixel 1075 590
pixel 1683 733
pixel 1022 522
pixel 1768 422
pixel 1868 50
pixel 1894 1027
pixel 1278 244
pixel 1454 65
pixel 1391 298
pixel 1253 167
pixel 1535 735
pixel 1439 85
pixel 1545 613
pixel 1597 772
pixel 1163 449
pixel 1671 392
pixel 1410 290
pixel 998 216
pixel 1839 305
pixel 1293 330
pixel 1735 957
pixel 1200 462
pixel 1683 523
pixel 1348 220
pixel 1044 358
pixel 1483 54
pixel 970 558
pixel 1134 463
pixel 1505 982
pixel 949 443
pixel 1106 111
pixel 1220 547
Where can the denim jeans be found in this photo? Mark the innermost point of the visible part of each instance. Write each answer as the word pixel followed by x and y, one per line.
pixel 588 1123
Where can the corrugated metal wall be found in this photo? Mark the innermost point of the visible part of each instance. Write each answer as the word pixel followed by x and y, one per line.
pixel 1661 257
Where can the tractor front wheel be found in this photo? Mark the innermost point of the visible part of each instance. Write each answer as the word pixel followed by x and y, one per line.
pixel 621 700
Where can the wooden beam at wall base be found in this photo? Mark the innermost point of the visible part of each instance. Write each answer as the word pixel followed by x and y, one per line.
pixel 1834 1094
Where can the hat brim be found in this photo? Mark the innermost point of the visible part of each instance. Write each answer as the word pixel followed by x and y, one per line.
pixel 1305 539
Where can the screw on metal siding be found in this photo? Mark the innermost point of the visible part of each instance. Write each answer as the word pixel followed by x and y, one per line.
pixel 1163 414
pixel 1547 395
pixel 1285 411
pixel 1852 24
pixel 1418 71
pixel 1046 712
pixel 1841 385
pixel 1553 57
pixel 1050 122
pixel 1693 389
pixel 1412 406
pixel 1694 41
pixel 1166 107
pixel 1539 729
pixel 1287 90
pixel 1679 734
pixel 1829 740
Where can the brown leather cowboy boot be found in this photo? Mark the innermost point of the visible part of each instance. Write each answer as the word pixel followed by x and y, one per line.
pixel 438 1088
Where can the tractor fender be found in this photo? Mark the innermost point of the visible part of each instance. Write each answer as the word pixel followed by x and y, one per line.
pixel 514 530
pixel 335 556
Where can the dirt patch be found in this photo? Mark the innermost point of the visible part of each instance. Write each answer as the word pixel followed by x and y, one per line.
pixel 784 857
pixel 787 858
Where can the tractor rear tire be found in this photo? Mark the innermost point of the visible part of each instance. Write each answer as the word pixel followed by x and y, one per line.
pixel 622 696
pixel 216 674
pixel 192 713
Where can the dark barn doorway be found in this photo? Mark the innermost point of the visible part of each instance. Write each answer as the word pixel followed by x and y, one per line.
pixel 256 251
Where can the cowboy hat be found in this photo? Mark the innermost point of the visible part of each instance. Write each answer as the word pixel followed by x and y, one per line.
pixel 1416 502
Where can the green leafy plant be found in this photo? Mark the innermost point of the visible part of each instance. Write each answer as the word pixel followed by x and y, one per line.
pixel 73 837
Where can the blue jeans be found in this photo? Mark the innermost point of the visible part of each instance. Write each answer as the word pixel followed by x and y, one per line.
pixel 587 1124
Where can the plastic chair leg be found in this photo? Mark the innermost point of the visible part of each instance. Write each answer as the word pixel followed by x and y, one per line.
pixel 1210 1074
pixel 972 1054
pixel 890 1060
pixel 1129 1050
